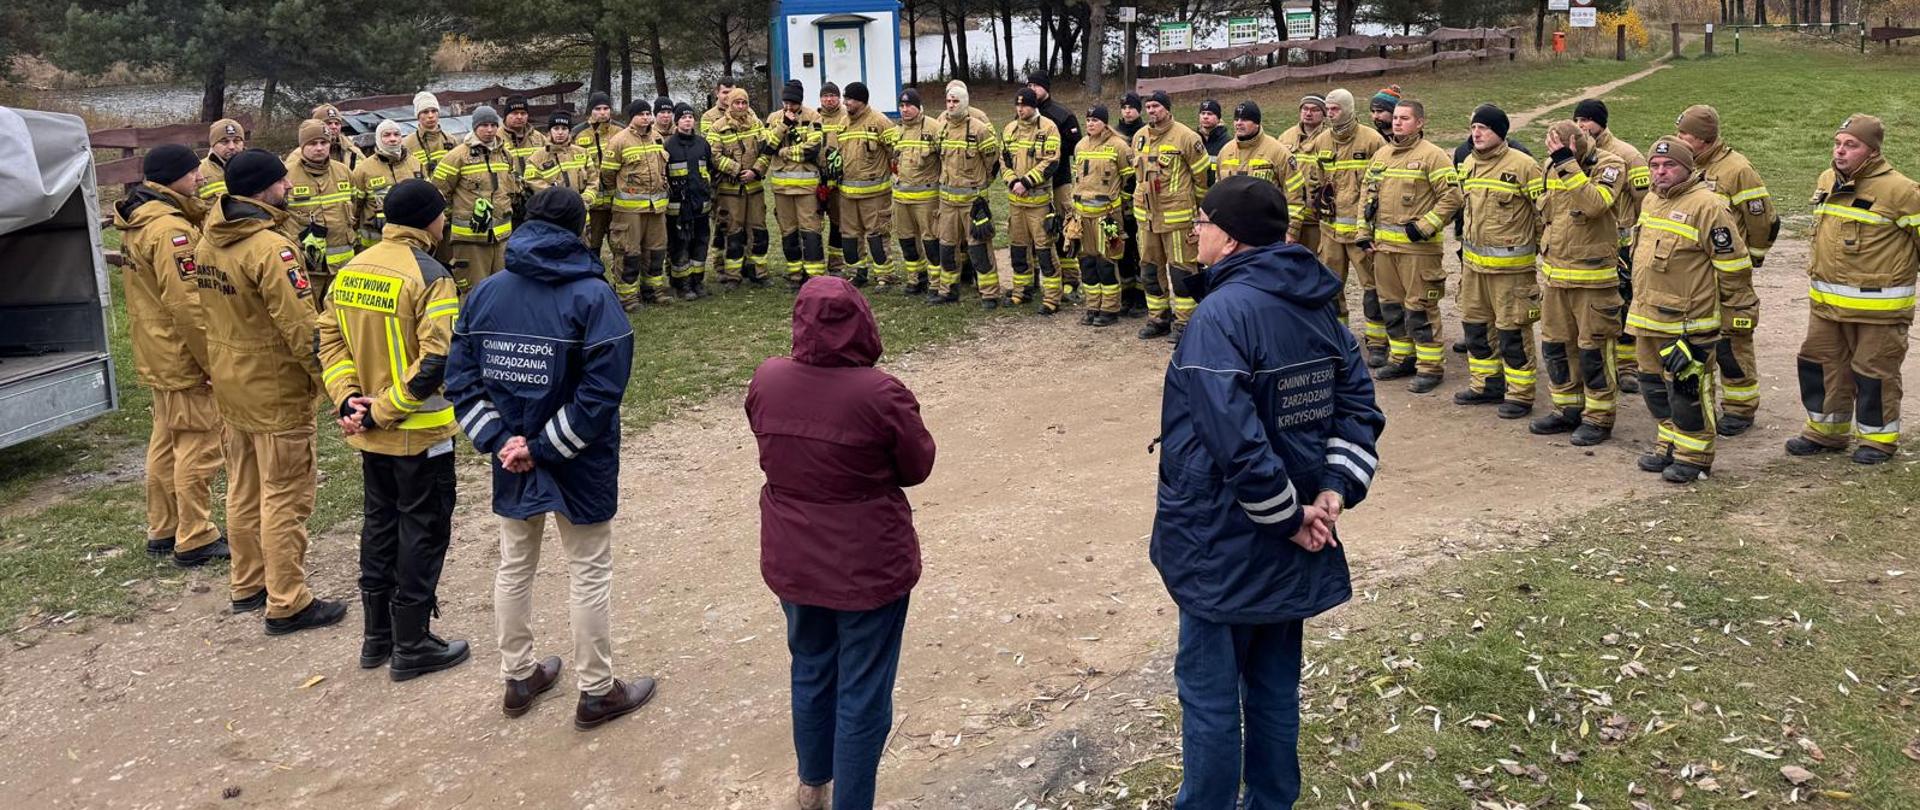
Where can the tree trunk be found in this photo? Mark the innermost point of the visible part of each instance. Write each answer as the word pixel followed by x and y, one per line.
pixel 1065 41
pixel 602 80
pixel 1046 36
pixel 1834 17
pixel 913 41
pixel 726 44
pixel 962 58
pixel 1096 45
pixel 268 89
pixel 1793 12
pixel 659 60
pixel 1343 17
pixel 946 42
pixel 213 93
pixel 1540 26
pixel 626 72
pixel 1759 12
pixel 1006 36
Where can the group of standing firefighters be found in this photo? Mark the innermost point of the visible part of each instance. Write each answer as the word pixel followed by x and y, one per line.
pixel 255 283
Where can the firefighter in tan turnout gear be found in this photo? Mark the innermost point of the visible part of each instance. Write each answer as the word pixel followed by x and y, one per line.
pixel 741 156
pixel 1336 162
pixel 1170 175
pixel 796 143
pixel 225 138
pixel 1579 262
pixel 1686 240
pixel 261 338
pixel 968 153
pixel 1413 191
pixel 634 174
pixel 1729 174
pixel 865 207
pixel 1866 248
pixel 561 162
pixel 1030 148
pixel 321 203
pixel 1499 245
pixel 159 224
pixel 383 354
pixel 339 146
pixel 593 137
pixel 1254 153
pixel 1102 170
pixel 389 165
pixel 428 142
pixel 915 146
pixel 1591 115
pixel 480 183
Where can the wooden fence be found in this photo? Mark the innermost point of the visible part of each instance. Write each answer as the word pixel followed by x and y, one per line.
pixel 1493 43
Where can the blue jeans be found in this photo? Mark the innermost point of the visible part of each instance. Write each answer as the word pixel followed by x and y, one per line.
pixel 1225 671
pixel 843 668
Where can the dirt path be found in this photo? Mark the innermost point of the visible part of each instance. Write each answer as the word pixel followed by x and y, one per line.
pixel 1596 91
pixel 1037 591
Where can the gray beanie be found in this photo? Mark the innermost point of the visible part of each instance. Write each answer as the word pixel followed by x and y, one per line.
pixel 485 115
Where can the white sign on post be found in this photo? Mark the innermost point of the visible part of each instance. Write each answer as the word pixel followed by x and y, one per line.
pixel 1582 17
pixel 1127 14
pixel 1556 5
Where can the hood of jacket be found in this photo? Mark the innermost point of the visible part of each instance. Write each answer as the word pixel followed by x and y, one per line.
pixel 237 218
pixel 550 254
pixel 833 326
pixel 1285 270
pixel 149 202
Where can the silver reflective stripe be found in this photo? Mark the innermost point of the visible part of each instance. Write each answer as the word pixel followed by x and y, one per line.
pixel 680 166
pixel 566 428
pixel 1270 503
pixel 863 183
pixel 1363 475
pixel 911 187
pixel 1498 252
pixel 1096 202
pixel 1361 453
pixel 946 189
pixel 1276 517
pixel 1862 292
pixel 1890 427
pixel 1829 418
pixel 796 175
pixel 1346 221
pixel 654 195
pixel 553 438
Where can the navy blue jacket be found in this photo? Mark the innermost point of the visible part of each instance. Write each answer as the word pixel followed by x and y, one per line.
pixel 1267 403
pixel 543 350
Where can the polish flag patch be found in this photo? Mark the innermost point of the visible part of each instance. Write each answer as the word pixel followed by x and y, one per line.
pixel 286 255
pixel 180 240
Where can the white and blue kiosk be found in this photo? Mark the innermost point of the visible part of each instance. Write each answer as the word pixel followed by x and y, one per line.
pixel 839 41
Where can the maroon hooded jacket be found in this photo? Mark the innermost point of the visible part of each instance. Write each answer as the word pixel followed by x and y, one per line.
pixel 838 439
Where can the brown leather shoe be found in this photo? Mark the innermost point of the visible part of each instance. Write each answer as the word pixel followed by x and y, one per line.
pixel 595 710
pixel 522 693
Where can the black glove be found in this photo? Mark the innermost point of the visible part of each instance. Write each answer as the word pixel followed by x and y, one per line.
pixel 315 230
pixel 1681 359
pixel 1364 243
pixel 1373 209
pixel 1561 155
pixel 1413 231
pixel 982 220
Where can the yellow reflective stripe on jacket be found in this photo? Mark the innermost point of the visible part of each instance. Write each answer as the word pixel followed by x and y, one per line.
pixel 1855 214
pixel 1444 174
pixel 1403 174
pixel 1519 256
pixel 1569 184
pixel 1472 183
pixel 1349 165
pixel 462 227
pixel 1733 265
pixel 1393 235
pixel 337 370
pixel 1750 194
pixel 1640 177
pixel 1882 299
pixel 397 365
pixel 1668 225
pixel 213 189
pixel 447 307
pixel 426 420
pixel 1434 221
pixel 1682 327
pixel 334 198
pixel 1579 275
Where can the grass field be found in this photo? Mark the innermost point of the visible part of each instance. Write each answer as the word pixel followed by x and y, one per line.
pixel 1678 652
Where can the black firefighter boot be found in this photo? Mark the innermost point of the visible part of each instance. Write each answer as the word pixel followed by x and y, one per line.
pixel 376 641
pixel 416 650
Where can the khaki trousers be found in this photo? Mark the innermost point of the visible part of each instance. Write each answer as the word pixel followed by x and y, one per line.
pixel 1166 259
pixel 1509 303
pixel 1850 381
pixel 183 454
pixel 1580 328
pixel 589 552
pixel 1350 264
pixel 271 479
pixel 1411 286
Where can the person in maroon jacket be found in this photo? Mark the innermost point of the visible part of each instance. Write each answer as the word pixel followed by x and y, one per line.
pixel 838 439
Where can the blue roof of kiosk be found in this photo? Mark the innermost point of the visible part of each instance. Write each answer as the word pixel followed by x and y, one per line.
pixel 793 7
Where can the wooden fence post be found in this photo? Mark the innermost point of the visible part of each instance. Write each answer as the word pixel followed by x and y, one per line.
pixel 1676 40
pixel 1707 44
pixel 1620 43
